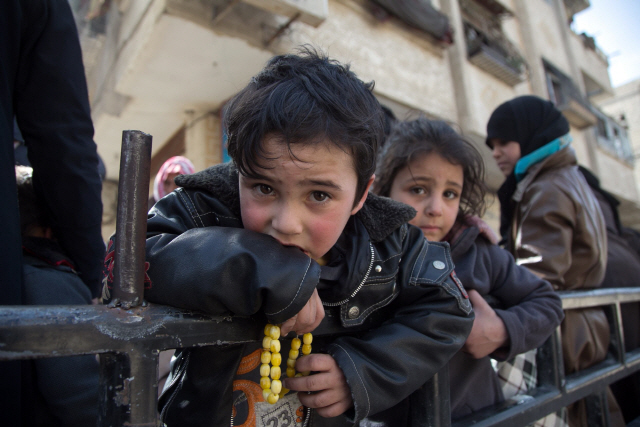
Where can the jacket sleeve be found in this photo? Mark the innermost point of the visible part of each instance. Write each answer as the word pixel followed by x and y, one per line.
pixel 530 308
pixel 196 265
pixel 52 110
pixel 544 241
pixel 428 323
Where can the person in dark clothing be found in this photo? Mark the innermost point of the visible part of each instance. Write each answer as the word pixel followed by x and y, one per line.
pixel 42 85
pixel 430 167
pixel 552 223
pixel 60 391
pixel 288 232
pixel 623 270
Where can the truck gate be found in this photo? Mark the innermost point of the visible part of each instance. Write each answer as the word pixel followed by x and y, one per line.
pixel 129 334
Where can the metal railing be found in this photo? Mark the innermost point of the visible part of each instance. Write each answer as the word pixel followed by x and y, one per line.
pixel 128 334
pixel 555 390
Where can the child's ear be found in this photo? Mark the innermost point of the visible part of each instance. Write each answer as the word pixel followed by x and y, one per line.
pixel 358 206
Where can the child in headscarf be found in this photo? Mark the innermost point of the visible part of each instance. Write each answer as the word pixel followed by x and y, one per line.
pixel 550 220
pixel 164 182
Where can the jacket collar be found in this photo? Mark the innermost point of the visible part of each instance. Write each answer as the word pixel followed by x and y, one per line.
pixel 379 215
pixel 564 157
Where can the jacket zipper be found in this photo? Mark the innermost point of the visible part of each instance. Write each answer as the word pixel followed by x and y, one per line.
pixel 177 378
pixel 366 276
pixel 307 417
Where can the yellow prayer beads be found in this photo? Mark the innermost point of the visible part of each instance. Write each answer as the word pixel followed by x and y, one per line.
pixel 272 388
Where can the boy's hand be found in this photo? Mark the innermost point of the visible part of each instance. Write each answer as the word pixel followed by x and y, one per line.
pixel 330 395
pixel 488 332
pixel 307 319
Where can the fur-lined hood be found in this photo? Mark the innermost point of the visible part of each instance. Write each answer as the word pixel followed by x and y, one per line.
pixel 380 215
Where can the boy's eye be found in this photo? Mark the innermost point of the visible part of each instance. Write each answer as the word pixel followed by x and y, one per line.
pixel 264 189
pixel 319 196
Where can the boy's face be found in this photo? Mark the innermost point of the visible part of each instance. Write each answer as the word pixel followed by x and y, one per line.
pixel 304 200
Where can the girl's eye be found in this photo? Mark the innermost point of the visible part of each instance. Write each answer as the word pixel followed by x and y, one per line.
pixel 319 196
pixel 264 189
pixel 450 194
pixel 417 190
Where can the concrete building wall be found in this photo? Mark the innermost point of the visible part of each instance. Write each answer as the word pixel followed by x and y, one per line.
pixel 625 107
pixel 591 63
pixel 405 67
pixel 548 34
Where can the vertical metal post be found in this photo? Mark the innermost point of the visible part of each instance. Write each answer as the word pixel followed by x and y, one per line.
pixel 144 388
pixel 550 362
pixel 131 225
pixel 114 400
pixel 617 344
pixel 430 404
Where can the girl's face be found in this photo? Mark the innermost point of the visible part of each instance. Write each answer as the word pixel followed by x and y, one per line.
pixel 432 186
pixel 506 153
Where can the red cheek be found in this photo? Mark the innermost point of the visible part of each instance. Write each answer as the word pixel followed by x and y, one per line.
pixel 253 218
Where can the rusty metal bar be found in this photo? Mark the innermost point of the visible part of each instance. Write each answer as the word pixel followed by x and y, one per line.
pixel 131 221
pixel 598 297
pixel 430 405
pixel 44 331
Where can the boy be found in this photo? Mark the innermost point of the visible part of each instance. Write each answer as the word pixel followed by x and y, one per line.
pixel 289 232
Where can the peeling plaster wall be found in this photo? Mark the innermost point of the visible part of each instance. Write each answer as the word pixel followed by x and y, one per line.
pixel 548 35
pixel 403 69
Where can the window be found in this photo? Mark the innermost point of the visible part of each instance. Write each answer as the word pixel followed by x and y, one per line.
pixel 612 137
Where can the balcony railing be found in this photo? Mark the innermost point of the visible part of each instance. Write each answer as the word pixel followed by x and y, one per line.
pixel 494 57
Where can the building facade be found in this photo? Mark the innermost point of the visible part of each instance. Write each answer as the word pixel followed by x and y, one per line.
pixel 167 67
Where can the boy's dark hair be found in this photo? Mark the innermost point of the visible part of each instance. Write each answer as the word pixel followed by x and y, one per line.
pixel 410 139
pixel 303 99
pixel 31 212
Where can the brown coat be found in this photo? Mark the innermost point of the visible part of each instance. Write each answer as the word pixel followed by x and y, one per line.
pixel 559 233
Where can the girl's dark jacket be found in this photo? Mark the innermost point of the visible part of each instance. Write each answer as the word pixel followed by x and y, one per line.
pixel 527 304
pixel 383 274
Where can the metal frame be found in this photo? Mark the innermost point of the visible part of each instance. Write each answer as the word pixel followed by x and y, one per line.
pixel 129 334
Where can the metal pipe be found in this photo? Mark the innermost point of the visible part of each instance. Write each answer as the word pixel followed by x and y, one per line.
pixel 131 225
pixel 598 297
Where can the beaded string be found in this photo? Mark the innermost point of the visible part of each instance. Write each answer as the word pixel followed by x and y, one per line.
pixel 272 389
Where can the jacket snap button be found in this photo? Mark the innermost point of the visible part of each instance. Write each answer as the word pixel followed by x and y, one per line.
pixel 378 269
pixel 354 312
pixel 439 265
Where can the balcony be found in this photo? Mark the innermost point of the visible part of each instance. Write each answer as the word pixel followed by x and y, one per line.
pixel 495 56
pixel 421 15
pixel 574 6
pixel 565 94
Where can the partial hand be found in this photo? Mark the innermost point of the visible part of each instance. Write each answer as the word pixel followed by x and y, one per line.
pixel 330 395
pixel 488 332
pixel 307 319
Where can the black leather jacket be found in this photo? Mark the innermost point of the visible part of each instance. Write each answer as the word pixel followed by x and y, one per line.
pixel 384 275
